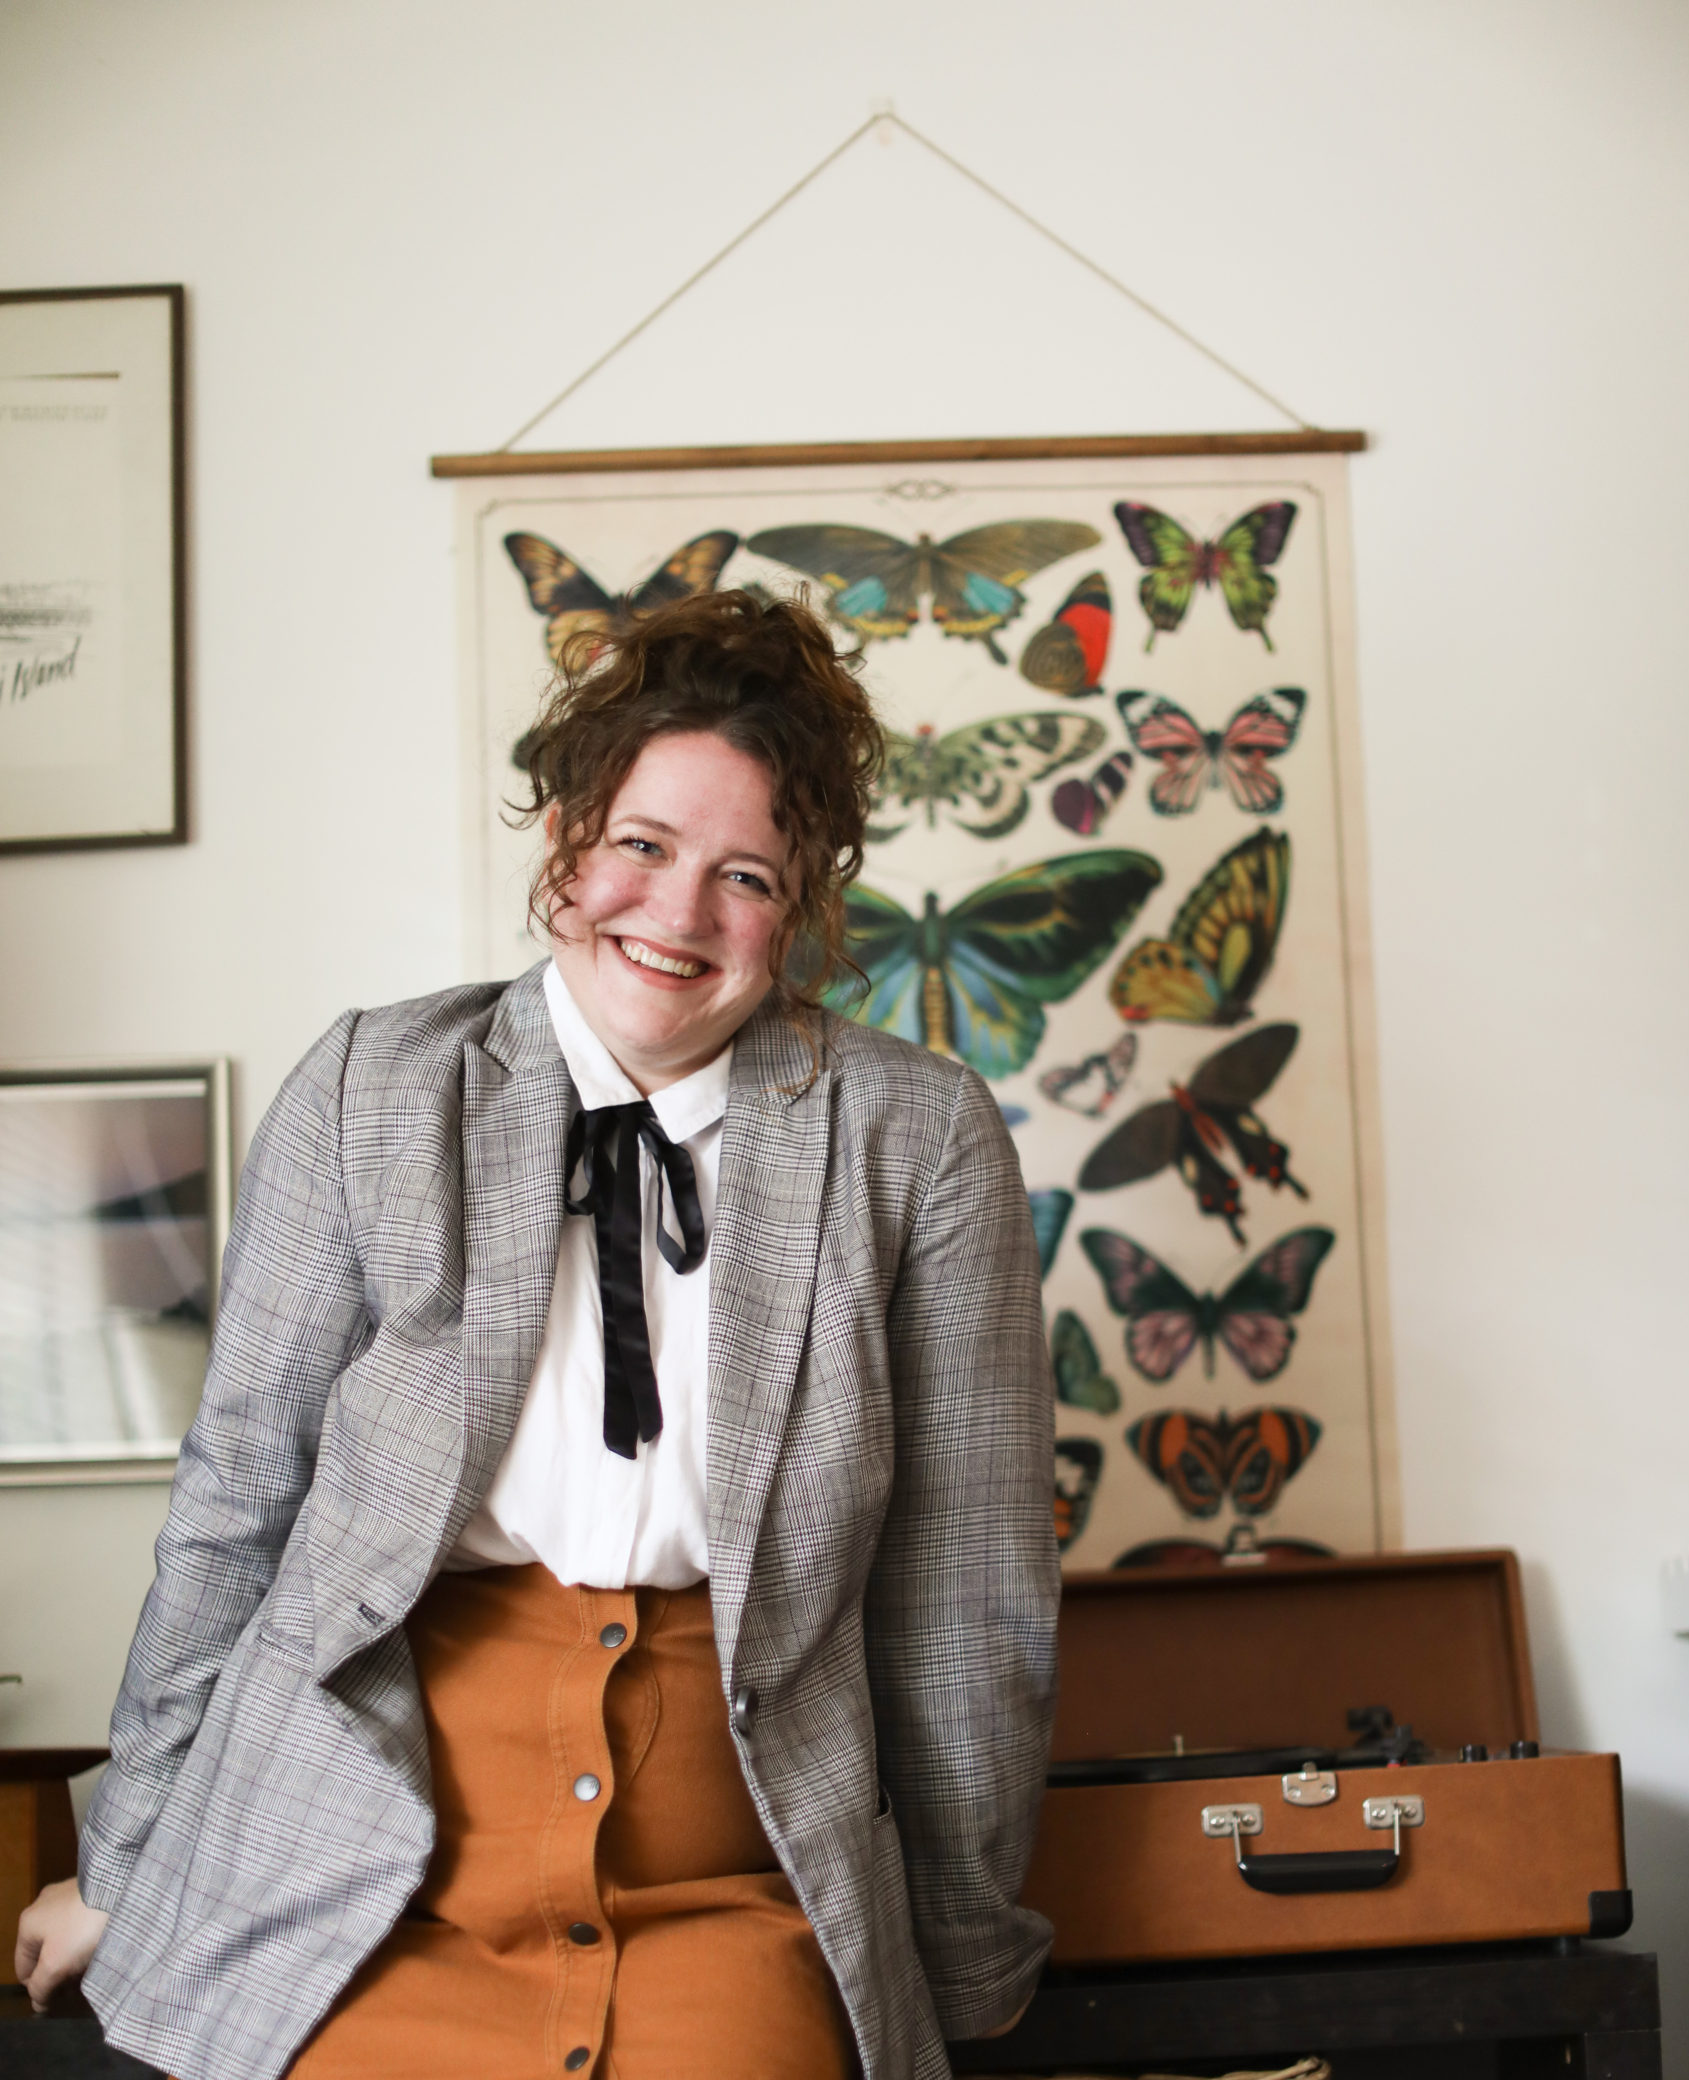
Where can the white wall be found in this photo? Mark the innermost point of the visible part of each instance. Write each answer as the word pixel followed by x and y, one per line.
pixel 1460 226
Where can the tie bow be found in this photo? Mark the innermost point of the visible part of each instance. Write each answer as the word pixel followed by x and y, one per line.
pixel 604 1145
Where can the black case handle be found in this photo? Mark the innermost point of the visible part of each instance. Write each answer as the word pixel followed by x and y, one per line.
pixel 1321 1870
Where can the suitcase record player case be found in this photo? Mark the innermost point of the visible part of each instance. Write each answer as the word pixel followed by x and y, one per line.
pixel 1313 1755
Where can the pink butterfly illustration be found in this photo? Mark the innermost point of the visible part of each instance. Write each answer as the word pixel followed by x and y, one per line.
pixel 1191 757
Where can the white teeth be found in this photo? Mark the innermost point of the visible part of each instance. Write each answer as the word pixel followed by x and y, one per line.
pixel 647 957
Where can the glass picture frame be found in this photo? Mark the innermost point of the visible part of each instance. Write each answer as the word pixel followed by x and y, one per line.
pixel 93 680
pixel 115 1190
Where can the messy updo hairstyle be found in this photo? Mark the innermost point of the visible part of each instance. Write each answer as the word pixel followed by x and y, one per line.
pixel 763 675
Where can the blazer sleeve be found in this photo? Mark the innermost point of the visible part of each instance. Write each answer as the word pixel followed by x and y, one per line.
pixel 291 1316
pixel 962 1602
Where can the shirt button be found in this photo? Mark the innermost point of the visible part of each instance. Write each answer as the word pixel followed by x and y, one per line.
pixel 582 1932
pixel 612 1635
pixel 587 1788
pixel 577 2058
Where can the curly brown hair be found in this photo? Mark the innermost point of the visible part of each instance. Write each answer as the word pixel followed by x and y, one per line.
pixel 763 675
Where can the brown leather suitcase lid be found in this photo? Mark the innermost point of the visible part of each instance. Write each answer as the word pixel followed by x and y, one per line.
pixel 1264 1656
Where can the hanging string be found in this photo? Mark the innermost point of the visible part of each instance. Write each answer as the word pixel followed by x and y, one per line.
pixel 890 117
pixel 691 282
pixel 1084 259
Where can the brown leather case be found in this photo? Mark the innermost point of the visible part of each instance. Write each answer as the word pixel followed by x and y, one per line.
pixel 1269 1656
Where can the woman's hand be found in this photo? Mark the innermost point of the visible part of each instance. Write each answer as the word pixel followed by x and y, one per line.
pixel 57 1935
pixel 1014 2021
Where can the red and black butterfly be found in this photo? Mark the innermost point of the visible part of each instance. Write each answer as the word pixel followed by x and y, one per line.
pixel 1192 758
pixel 1203 1459
pixel 1068 653
pixel 1165 1320
pixel 1192 1128
pixel 1079 1463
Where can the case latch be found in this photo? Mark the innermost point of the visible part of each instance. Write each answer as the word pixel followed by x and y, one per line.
pixel 1309 1786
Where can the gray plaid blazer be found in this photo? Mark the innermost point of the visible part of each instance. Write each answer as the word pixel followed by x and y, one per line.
pixel 875 1339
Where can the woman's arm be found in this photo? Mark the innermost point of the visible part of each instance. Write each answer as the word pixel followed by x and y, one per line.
pixel 963 1598
pixel 291 1316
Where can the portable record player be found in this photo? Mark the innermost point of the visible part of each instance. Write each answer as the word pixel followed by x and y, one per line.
pixel 1321 1754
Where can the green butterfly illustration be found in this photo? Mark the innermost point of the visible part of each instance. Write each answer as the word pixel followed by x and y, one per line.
pixel 1178 563
pixel 1049 1217
pixel 970 982
pixel 1080 1379
pixel 991 762
pixel 877 581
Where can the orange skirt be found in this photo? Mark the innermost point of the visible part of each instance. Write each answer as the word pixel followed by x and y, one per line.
pixel 602 1899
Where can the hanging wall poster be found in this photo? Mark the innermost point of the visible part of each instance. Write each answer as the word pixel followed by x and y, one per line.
pixel 92 682
pixel 1116 865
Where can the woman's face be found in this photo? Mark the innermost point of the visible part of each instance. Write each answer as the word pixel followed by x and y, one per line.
pixel 665 940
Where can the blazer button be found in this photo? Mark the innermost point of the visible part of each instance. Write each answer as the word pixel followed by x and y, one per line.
pixel 745 1709
pixel 587 1788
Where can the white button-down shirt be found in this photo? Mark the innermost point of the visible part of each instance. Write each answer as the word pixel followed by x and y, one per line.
pixel 559 1495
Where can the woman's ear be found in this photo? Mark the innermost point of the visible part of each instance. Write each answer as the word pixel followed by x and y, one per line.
pixel 550 820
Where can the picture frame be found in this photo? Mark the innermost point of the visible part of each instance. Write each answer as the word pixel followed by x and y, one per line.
pixel 1119 675
pixel 115 1193
pixel 93 612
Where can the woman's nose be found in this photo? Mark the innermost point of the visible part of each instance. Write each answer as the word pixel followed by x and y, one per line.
pixel 683 904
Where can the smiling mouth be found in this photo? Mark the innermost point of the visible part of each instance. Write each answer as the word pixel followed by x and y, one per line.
pixel 643 956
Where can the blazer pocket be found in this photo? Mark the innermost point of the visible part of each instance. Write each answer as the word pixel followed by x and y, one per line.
pixel 287 1646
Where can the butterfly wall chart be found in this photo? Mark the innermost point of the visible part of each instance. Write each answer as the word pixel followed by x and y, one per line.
pixel 1092 1085
pixel 1079 1462
pixel 1068 653
pixel 1178 562
pixel 876 582
pixel 1080 1379
pixel 1203 1459
pixel 988 765
pixel 571 600
pixel 1192 1128
pixel 1082 804
pixel 1165 1320
pixel 1192 758
pixel 1221 943
pixel 1049 1217
pixel 972 981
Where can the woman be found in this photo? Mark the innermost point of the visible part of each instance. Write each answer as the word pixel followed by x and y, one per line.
pixel 605 1618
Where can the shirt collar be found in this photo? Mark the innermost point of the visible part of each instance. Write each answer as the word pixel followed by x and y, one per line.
pixel 683 1109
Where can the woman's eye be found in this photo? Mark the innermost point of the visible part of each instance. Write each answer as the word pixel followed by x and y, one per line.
pixel 746 879
pixel 644 847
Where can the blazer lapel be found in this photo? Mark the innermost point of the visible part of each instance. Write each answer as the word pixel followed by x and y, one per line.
pixel 517 1103
pixel 762 1285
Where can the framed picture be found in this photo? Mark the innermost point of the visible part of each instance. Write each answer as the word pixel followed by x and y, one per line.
pixel 1117 865
pixel 93 745
pixel 114 1206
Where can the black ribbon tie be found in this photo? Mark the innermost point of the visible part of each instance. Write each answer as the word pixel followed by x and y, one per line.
pixel 606 1142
